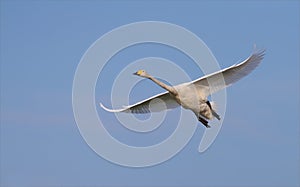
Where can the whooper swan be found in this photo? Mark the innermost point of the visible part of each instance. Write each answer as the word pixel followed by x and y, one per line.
pixel 193 95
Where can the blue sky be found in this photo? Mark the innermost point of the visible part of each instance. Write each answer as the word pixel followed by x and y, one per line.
pixel 42 43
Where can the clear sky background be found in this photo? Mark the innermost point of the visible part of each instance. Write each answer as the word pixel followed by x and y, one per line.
pixel 42 43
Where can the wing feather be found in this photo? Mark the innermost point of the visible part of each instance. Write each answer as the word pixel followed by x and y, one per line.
pixel 156 103
pixel 224 78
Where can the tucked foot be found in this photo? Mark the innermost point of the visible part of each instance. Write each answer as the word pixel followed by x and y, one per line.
pixel 207 126
pixel 212 110
pixel 204 122
pixel 216 115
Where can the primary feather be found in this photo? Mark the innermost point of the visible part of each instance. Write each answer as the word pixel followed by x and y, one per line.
pixel 193 95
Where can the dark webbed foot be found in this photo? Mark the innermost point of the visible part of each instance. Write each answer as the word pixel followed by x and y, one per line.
pixel 204 122
pixel 216 115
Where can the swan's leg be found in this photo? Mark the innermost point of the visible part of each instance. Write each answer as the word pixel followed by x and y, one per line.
pixel 203 121
pixel 212 111
pixel 215 114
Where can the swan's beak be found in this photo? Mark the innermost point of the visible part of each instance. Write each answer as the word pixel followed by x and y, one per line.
pixel 135 73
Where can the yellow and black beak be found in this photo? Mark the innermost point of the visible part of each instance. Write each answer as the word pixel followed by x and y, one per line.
pixel 139 72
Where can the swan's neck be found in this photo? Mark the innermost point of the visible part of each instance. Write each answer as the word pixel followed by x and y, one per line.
pixel 163 85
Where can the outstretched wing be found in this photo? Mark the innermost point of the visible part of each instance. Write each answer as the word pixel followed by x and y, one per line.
pixel 156 103
pixel 231 74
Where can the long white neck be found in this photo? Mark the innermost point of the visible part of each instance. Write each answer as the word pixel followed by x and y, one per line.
pixel 163 85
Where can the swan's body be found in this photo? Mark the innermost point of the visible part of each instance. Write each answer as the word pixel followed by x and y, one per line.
pixel 193 95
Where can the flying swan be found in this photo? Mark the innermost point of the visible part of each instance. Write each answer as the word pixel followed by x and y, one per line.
pixel 193 95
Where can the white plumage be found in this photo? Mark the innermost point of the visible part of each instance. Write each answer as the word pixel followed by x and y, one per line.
pixel 193 95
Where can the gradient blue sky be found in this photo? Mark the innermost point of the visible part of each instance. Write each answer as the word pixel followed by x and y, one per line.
pixel 42 43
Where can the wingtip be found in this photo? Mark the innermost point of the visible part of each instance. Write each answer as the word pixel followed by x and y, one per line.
pixel 101 105
pixel 112 110
pixel 260 52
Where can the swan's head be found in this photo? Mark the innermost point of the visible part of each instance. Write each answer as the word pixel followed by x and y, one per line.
pixel 141 73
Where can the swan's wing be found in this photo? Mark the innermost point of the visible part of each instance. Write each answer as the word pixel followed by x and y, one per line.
pixel 156 103
pixel 231 74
